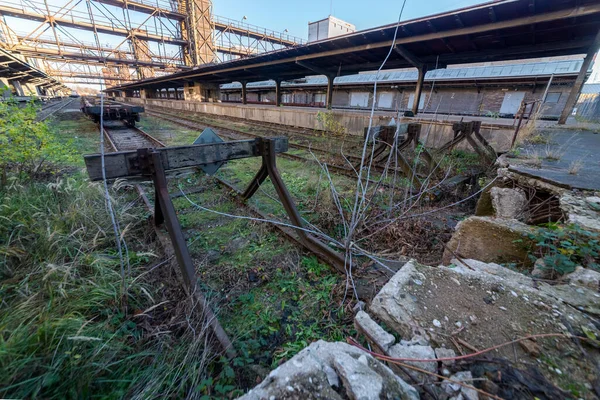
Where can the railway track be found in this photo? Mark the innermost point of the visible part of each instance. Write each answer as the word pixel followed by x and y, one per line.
pixel 234 134
pixel 123 137
pixel 53 108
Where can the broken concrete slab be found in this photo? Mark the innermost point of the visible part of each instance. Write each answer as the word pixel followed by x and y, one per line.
pixel 490 240
pixel 584 211
pixel 307 375
pixel 584 277
pixel 509 203
pixel 442 352
pixel 375 333
pixel 393 305
pixel 360 381
pixel 464 377
pixel 582 298
pixel 491 302
pixel 416 352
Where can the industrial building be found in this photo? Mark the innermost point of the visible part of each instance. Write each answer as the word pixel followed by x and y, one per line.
pixel 472 90
pixel 432 46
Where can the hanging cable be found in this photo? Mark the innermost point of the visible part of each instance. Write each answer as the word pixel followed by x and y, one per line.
pixel 107 198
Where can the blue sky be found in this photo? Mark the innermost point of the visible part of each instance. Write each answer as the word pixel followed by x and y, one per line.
pixel 294 15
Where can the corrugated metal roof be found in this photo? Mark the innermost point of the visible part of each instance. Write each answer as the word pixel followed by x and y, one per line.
pixel 591 88
pixel 489 72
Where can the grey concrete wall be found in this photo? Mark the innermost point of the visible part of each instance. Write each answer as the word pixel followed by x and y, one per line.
pixel 435 133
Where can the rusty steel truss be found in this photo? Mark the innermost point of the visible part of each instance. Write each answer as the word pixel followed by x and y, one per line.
pixel 123 40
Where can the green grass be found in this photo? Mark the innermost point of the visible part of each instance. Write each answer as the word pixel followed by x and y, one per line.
pixel 73 324
pixel 167 132
pixel 272 299
pixel 291 310
pixel 68 326
pixel 79 132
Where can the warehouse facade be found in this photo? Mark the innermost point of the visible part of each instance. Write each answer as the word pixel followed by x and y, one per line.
pixel 482 90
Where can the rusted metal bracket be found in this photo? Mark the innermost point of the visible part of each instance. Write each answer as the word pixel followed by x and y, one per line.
pixel 155 163
pixel 410 137
pixel 470 131
pixel 151 165
pixel 266 149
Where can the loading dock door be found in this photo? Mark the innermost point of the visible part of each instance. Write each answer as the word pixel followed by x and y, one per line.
pixel 359 99
pixel 385 100
pixel 411 101
pixel 512 102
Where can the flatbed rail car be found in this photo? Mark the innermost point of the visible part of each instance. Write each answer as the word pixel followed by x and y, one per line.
pixel 112 111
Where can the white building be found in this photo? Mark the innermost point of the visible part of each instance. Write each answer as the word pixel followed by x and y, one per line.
pixel 328 28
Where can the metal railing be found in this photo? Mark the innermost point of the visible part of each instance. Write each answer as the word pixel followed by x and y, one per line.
pixel 256 29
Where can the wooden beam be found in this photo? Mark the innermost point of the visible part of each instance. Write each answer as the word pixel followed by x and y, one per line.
pixel 126 164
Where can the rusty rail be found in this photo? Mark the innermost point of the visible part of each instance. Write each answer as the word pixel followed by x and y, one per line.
pixel 163 206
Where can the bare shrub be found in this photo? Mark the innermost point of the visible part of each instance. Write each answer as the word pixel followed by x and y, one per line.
pixel 575 167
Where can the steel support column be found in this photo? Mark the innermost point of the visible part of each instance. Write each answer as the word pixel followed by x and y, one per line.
pixel 419 89
pixel 329 101
pixel 579 81
pixel 277 92
pixel 244 92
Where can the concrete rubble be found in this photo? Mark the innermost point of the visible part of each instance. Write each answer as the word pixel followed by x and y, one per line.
pixel 584 277
pixel 509 203
pixel 584 211
pixel 433 310
pixel 332 371
pixel 489 239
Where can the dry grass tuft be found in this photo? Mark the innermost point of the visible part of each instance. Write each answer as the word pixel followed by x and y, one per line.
pixel 575 167
pixel 553 153
pixel 529 133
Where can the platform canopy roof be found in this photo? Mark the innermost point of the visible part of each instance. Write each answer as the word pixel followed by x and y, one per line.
pixel 494 31
pixel 12 67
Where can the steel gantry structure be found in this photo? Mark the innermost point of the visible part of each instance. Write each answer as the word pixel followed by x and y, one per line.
pixel 123 40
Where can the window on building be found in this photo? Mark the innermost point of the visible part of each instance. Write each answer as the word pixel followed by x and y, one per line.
pixel 552 97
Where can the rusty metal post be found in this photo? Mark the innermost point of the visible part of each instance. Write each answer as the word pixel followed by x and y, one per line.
pixel 514 138
pixel 164 210
pixel 255 183
pixel 266 148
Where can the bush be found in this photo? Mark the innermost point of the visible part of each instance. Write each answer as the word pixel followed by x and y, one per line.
pixel 330 124
pixel 26 144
